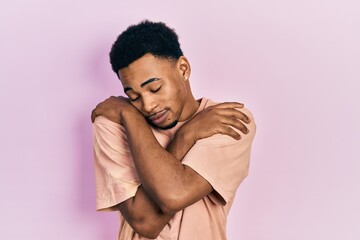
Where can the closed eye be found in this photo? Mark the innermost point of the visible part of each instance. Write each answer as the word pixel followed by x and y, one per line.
pixel 134 99
pixel 154 91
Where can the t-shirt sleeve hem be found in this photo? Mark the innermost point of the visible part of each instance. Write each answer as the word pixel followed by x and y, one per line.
pixel 221 197
pixel 105 205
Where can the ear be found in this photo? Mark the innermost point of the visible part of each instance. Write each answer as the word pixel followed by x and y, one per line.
pixel 184 68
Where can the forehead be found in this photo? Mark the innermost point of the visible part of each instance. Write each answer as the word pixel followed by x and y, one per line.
pixel 144 68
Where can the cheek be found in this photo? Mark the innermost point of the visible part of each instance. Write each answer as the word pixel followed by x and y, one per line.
pixel 174 95
pixel 181 92
pixel 178 100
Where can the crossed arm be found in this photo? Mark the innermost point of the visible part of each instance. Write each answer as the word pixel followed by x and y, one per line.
pixel 167 185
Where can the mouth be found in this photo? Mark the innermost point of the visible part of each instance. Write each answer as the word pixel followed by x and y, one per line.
pixel 159 117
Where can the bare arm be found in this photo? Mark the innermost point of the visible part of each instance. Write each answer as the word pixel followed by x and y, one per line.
pixel 171 184
pixel 140 211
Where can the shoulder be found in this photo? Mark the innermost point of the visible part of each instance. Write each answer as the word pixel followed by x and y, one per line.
pixel 103 121
pixel 220 139
pixel 106 128
pixel 208 103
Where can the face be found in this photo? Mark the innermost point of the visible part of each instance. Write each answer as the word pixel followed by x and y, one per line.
pixel 158 88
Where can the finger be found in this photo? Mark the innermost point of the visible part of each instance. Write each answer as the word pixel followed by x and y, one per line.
pixel 93 115
pixel 230 132
pixel 234 122
pixel 229 105
pixel 231 112
pixel 241 115
pixel 123 98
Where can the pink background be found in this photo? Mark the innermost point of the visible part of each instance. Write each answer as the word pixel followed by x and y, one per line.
pixel 295 64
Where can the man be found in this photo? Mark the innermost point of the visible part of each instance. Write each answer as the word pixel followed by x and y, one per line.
pixel 169 163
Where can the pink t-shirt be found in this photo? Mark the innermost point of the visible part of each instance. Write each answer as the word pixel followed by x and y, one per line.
pixel 221 160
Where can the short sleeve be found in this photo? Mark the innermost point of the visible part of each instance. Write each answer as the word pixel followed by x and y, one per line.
pixel 116 178
pixel 223 161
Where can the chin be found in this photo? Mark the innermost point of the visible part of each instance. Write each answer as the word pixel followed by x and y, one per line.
pixel 166 127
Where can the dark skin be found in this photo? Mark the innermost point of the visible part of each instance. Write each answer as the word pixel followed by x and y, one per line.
pixel 167 185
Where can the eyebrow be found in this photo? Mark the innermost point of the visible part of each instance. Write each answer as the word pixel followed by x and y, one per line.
pixel 143 84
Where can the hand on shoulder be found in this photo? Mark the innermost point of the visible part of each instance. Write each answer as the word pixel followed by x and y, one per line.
pixel 112 108
pixel 222 118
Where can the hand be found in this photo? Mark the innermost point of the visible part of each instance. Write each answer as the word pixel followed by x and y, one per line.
pixel 217 119
pixel 112 108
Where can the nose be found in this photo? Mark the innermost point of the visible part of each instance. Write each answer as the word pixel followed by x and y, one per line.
pixel 148 104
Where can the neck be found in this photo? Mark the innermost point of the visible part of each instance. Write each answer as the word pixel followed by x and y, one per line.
pixel 190 108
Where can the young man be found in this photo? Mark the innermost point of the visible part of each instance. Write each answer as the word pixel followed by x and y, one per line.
pixel 169 163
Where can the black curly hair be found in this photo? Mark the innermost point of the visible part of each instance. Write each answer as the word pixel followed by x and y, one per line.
pixel 145 37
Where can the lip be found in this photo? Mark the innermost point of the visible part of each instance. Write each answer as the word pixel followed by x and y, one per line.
pixel 159 117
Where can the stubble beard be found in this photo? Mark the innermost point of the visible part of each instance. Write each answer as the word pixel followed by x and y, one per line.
pixel 171 125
